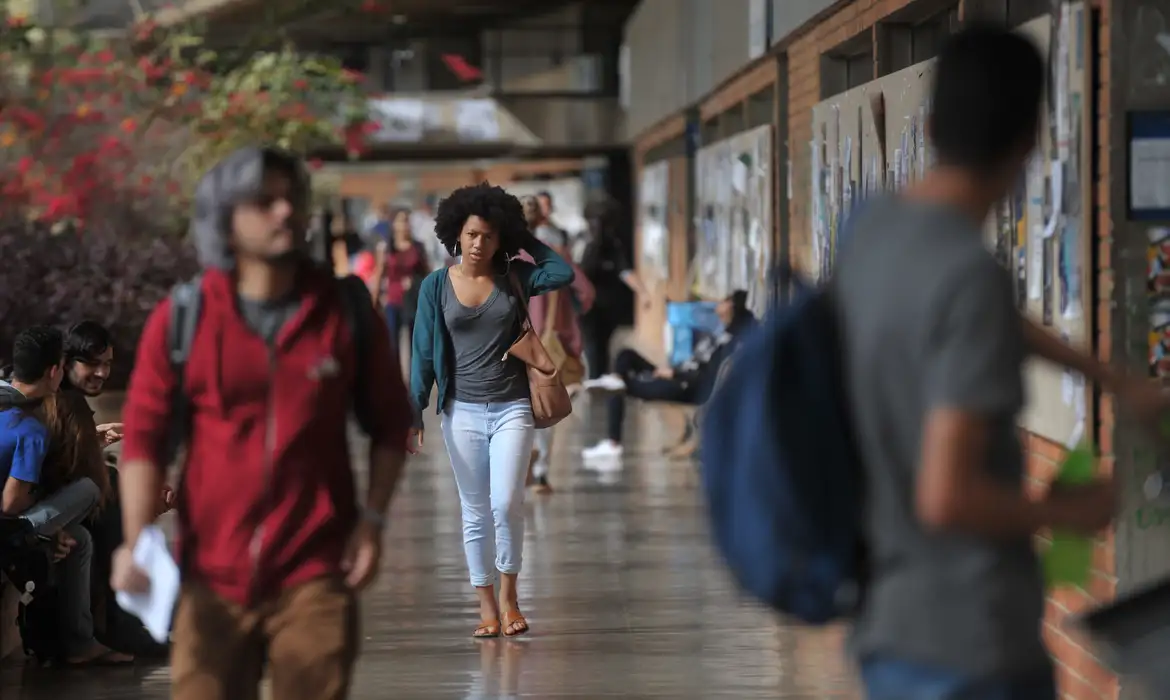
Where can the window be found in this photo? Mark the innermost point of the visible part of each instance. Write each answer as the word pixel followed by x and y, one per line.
pixel 916 33
pixel 848 65
pixel 858 69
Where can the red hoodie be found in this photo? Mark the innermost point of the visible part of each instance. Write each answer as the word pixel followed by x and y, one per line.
pixel 268 498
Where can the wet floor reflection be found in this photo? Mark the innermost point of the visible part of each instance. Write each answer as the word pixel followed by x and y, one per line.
pixel 623 591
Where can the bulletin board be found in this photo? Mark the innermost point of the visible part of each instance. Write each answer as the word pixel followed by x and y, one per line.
pixel 733 198
pixel 869 139
pixel 872 138
pixel 653 233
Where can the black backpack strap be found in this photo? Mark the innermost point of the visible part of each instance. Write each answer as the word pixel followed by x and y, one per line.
pixel 359 310
pixel 186 304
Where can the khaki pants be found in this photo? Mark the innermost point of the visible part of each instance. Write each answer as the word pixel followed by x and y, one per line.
pixel 308 636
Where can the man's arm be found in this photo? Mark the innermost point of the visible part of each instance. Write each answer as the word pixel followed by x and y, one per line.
pixel 147 418
pixel 28 457
pixel 391 420
pixel 16 498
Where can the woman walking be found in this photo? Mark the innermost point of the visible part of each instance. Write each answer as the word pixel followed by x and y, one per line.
pixel 469 315
pixel 393 271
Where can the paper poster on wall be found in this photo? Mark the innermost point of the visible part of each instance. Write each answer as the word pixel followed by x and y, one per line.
pixel 1160 339
pixel 477 120
pixel 1035 262
pixel 1048 245
pixel 654 239
pixel 734 193
pixel 1158 269
pixel 398 119
pixel 1070 271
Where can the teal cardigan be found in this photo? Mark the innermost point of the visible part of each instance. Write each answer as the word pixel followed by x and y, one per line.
pixel 431 353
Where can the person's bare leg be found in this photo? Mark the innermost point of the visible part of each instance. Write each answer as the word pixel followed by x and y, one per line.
pixel 510 606
pixel 489 612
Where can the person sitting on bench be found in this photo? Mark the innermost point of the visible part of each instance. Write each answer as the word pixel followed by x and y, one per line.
pixel 689 383
pixel 29 491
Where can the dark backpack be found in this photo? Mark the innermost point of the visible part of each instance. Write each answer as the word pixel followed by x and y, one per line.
pixel 186 305
pixel 25 561
pixel 781 475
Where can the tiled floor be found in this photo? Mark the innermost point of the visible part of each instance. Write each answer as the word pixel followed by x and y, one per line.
pixel 624 594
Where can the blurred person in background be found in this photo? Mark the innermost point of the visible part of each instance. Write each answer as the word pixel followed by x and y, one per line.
pixel 393 270
pixel 346 244
pixel 608 267
pixel 690 383
pixel 567 307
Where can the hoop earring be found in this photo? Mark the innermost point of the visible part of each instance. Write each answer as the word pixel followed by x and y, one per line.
pixel 507 265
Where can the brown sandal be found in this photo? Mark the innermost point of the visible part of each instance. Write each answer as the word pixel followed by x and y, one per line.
pixel 488 629
pixel 512 618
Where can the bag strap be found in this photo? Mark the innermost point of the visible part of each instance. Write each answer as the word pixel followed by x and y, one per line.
pixel 186 308
pixel 550 316
pixel 355 300
pixel 521 297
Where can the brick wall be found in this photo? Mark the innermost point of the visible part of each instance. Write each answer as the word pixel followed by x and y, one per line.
pixel 1081 677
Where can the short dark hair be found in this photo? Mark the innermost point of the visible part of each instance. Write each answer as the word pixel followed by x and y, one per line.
pixel 987 93
pixel 86 341
pixel 490 203
pixel 546 194
pixel 35 351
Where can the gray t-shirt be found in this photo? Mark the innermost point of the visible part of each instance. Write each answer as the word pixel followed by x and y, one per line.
pixel 480 337
pixel 929 320
pixel 266 317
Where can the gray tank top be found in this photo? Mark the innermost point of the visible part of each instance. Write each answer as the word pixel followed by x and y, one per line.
pixel 480 337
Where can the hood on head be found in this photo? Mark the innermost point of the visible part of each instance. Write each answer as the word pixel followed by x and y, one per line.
pixel 236 179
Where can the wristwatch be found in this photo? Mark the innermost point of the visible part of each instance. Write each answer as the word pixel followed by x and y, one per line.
pixel 373 517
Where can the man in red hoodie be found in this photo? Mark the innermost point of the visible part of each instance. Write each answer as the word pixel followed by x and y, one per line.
pixel 273 544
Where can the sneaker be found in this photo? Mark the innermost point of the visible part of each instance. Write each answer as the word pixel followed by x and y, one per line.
pixel 606 449
pixel 608 382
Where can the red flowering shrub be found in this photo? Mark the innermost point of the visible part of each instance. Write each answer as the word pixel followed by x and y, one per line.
pixel 101 144
pixel 114 274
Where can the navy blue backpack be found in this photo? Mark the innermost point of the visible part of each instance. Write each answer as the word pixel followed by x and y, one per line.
pixel 781 474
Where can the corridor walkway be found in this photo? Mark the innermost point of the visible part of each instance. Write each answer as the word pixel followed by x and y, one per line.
pixel 623 591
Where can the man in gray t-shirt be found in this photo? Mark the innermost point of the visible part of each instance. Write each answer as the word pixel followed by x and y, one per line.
pixel 929 319
pixel 933 350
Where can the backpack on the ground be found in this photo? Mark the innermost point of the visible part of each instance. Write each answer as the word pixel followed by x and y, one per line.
pixel 781 475
pixel 25 562
pixel 186 306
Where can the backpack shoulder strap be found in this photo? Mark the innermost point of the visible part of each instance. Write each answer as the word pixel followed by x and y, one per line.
pixel 186 305
pixel 358 308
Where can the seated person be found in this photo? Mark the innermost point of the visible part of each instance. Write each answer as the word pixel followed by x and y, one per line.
pixel 76 447
pixel 53 509
pixel 690 383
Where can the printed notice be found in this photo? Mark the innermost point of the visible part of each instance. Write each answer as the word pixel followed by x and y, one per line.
pixel 1149 174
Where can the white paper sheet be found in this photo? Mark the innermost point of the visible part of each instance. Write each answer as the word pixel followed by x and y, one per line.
pixel 155 607
pixel 1056 177
pixel 1036 262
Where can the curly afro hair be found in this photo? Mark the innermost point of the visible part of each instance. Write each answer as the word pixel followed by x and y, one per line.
pixel 490 203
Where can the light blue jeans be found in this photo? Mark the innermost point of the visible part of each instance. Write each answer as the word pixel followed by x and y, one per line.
pixel 490 445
